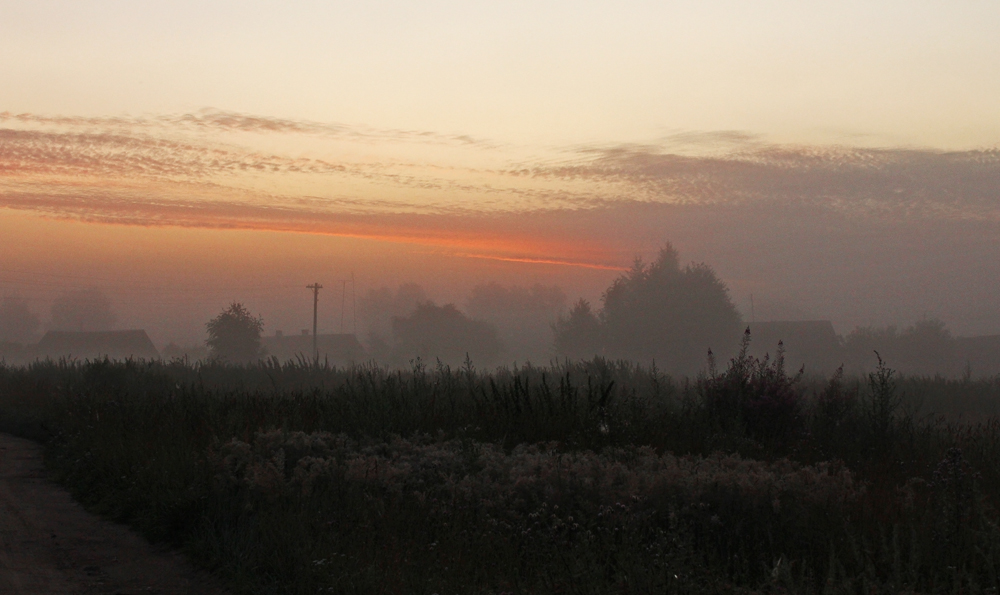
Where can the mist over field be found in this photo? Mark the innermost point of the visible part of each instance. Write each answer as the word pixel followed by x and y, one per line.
pixel 833 164
pixel 862 238
pixel 149 224
pixel 518 297
pixel 874 293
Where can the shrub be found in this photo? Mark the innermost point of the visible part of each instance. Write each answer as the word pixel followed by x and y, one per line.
pixel 754 395
pixel 621 509
pixel 592 477
pixel 883 401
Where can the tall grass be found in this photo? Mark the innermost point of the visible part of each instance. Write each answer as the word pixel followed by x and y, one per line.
pixel 577 477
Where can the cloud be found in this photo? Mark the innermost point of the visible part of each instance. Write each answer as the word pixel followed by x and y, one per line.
pixel 98 157
pixel 738 168
pixel 895 182
pixel 504 237
pixel 227 121
pixel 579 206
pixel 117 154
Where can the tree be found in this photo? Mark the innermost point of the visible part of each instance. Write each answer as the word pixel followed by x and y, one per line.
pixel 662 312
pixel 442 332
pixel 83 310
pixel 924 348
pixel 670 313
pixel 378 307
pixel 578 335
pixel 18 324
pixel 234 335
pixel 523 316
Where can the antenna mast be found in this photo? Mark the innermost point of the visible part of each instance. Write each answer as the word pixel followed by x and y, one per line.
pixel 315 287
pixel 343 303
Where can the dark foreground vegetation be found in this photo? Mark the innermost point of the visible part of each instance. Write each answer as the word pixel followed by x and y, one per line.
pixel 596 477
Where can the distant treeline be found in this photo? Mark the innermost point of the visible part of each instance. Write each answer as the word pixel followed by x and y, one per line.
pixel 661 312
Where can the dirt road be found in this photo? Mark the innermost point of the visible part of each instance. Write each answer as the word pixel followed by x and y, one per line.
pixel 49 545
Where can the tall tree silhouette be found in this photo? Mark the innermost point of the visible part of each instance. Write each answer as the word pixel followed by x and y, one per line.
pixel 660 311
pixel 234 335
pixel 578 335
pixel 670 313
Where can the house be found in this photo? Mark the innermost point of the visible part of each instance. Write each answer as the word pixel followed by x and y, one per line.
pixel 83 345
pixel 812 343
pixel 339 348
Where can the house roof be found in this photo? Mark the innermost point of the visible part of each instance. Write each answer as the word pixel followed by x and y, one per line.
pixel 97 344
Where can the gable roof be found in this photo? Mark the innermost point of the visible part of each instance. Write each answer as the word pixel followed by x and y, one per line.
pixel 97 344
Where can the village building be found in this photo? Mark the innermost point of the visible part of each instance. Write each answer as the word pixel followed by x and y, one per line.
pixel 91 345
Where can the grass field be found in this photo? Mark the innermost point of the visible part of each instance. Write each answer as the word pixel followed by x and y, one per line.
pixel 595 477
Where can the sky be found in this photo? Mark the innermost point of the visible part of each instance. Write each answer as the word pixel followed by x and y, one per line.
pixel 834 161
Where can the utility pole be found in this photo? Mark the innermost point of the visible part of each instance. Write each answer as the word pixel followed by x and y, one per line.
pixel 315 287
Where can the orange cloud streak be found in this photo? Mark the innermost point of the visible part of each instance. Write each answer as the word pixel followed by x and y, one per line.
pixel 585 265
pixel 162 171
pixel 509 237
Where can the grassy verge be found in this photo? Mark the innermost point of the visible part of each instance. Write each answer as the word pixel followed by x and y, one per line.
pixel 594 477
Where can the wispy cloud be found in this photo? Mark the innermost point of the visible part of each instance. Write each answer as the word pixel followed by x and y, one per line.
pixel 505 236
pixel 227 121
pixel 117 154
pixel 891 181
pixel 163 170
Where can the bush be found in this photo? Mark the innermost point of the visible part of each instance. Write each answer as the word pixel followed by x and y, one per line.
pixel 755 396
pixel 609 514
pixel 592 477
pixel 883 401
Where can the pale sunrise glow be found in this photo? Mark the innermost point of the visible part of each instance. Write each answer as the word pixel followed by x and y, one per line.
pixel 455 143
pixel 495 297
